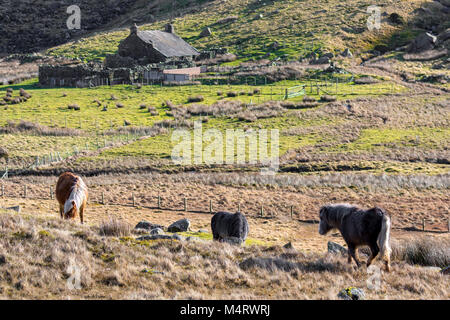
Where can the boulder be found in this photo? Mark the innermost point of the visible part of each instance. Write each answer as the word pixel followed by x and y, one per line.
pixel 156 231
pixel 444 36
pixel 334 247
pixel 147 225
pixel 2 259
pixel 322 60
pixel 352 293
pixel 347 53
pixel 445 270
pixel 179 226
pixel 425 41
pixel 288 246
pixel 395 18
pixel 16 208
pixel 206 33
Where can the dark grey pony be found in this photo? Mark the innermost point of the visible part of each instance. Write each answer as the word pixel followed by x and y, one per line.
pixel 359 227
pixel 229 227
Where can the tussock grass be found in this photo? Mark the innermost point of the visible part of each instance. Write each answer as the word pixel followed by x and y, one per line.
pixel 37 265
pixel 423 251
pixel 114 227
pixel 37 129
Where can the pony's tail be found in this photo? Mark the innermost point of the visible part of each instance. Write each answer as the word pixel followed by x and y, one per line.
pixel 383 240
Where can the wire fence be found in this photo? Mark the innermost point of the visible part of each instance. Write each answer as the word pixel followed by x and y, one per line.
pixel 204 206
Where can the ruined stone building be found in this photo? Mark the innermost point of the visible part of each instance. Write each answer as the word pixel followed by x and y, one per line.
pixel 144 56
pixel 156 46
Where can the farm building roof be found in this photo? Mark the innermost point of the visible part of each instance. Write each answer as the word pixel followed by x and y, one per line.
pixel 168 44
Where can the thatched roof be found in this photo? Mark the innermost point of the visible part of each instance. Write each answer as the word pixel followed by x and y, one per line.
pixel 168 44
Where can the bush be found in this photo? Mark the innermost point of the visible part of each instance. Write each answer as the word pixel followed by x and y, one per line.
pixel 114 228
pixel 73 107
pixel 198 98
pixel 142 107
pixel 327 98
pixel 424 251
pixel 119 105
pixel 232 94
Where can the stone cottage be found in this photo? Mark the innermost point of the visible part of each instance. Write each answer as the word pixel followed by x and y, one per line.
pixel 156 46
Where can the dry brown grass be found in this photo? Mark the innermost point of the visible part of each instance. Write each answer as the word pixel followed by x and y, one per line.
pixel 39 254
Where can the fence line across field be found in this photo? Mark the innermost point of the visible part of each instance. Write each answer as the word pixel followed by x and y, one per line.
pixel 208 208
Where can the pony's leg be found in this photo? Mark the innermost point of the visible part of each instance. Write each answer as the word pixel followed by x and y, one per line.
pixel 353 254
pixel 61 211
pixel 374 252
pixel 82 213
pixel 387 265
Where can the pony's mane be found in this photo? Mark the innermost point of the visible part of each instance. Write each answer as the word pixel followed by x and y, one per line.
pixel 77 195
pixel 338 211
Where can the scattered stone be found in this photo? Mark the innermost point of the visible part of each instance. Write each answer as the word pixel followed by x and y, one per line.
pixel 179 226
pixel 423 42
pixel 2 259
pixel 16 208
pixel 206 33
pixel 202 231
pixel 347 53
pixel 352 293
pixel 395 18
pixel 156 231
pixel 288 246
pixel 445 270
pixel 444 36
pixel 334 247
pixel 147 225
pixel 177 237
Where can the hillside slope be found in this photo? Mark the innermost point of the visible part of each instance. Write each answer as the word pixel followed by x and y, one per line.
pixel 289 29
pixel 30 25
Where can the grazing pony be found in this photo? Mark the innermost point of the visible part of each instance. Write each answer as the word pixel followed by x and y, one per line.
pixel 359 227
pixel 72 195
pixel 229 227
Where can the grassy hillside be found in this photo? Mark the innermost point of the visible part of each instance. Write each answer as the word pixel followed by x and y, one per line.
pixel 250 28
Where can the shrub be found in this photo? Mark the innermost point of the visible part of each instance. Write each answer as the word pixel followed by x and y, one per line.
pixel 198 98
pixel 327 98
pixel 232 94
pixel 119 105
pixel 143 106
pixel 257 91
pixel 114 227
pixel 219 93
pixel 423 251
pixel 113 97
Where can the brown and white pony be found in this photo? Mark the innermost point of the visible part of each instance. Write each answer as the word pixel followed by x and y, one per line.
pixel 72 195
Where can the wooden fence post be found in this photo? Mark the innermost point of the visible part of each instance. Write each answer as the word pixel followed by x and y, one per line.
pixel 103 198
pixel 239 207
pixel 262 211
pixel 210 206
pixel 51 193
pixel 423 224
pixel 24 191
pixel 292 211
